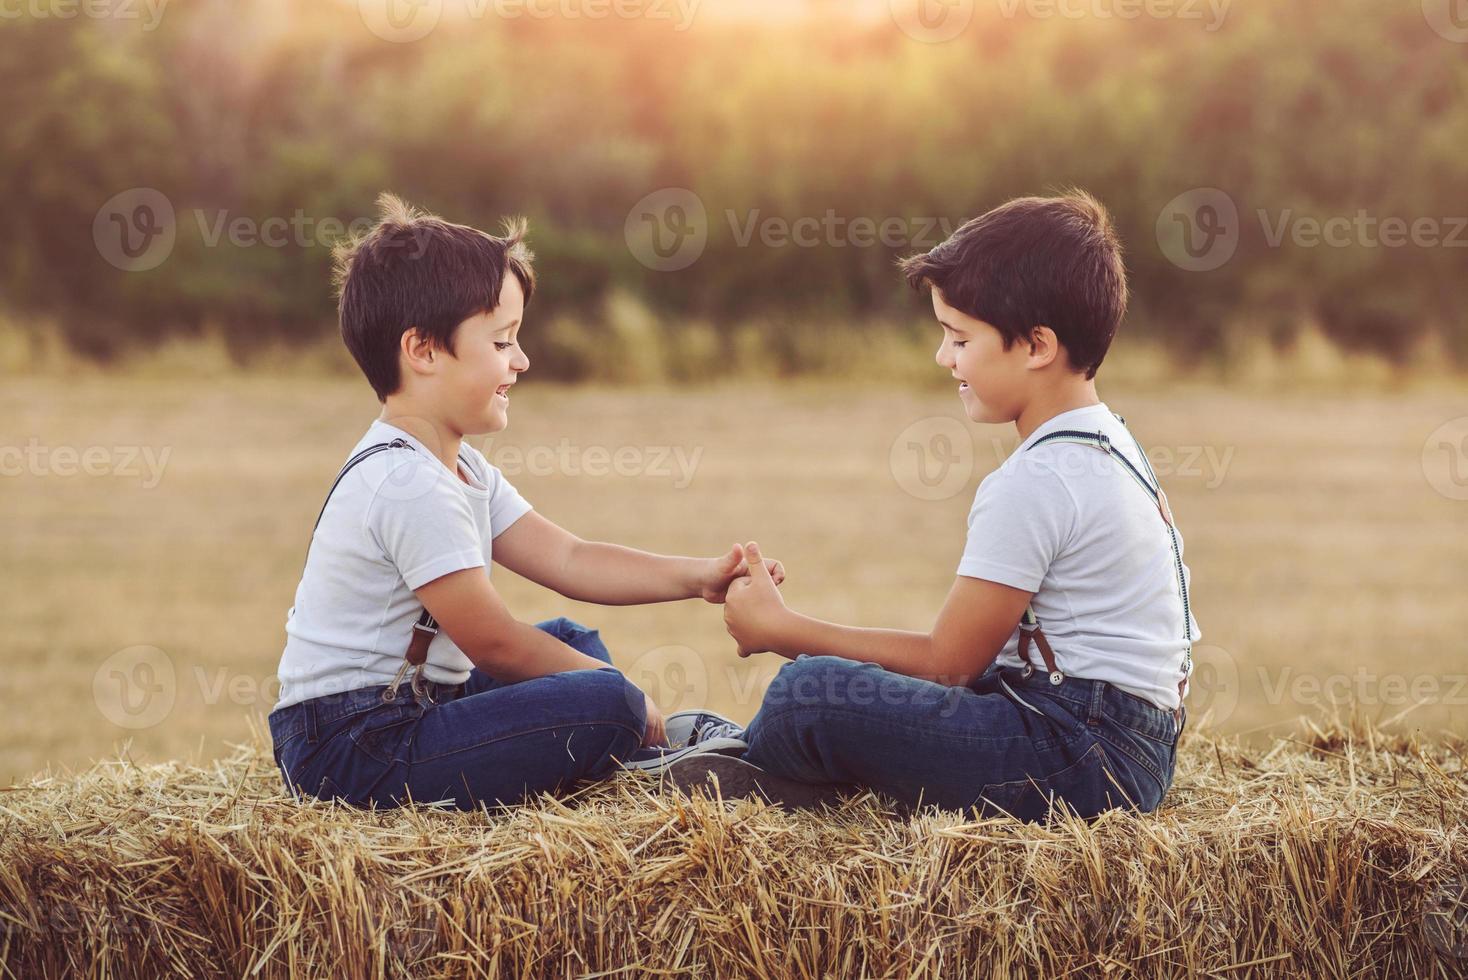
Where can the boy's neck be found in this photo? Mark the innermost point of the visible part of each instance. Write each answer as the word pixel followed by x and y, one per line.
pixel 440 439
pixel 1051 402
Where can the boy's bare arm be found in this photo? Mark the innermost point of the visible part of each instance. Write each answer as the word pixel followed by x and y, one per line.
pixel 474 616
pixel 610 574
pixel 471 612
pixel 976 620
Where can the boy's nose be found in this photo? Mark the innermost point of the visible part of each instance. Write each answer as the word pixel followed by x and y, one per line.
pixel 521 363
pixel 942 357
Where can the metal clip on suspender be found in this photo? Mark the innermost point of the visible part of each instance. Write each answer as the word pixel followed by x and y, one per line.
pixel 1029 629
pixel 427 627
pixel 1029 626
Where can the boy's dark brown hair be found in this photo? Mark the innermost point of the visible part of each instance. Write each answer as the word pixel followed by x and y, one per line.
pixel 1035 261
pixel 414 269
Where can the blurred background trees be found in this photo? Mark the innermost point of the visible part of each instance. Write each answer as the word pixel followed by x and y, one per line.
pixel 263 109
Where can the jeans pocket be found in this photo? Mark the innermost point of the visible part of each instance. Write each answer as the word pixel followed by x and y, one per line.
pixel 1087 786
pixel 1145 755
pixel 384 734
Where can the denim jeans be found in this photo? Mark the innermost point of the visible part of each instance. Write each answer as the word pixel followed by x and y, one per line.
pixel 1006 744
pixel 482 742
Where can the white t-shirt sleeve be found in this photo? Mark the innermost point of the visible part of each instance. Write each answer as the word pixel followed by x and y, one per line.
pixel 1022 517
pixel 506 506
pixel 426 533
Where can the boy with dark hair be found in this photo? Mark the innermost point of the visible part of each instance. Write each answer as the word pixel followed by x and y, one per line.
pixel 1071 556
pixel 404 676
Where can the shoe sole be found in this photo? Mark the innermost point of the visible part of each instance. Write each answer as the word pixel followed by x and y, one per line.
pixel 730 777
pixel 714 746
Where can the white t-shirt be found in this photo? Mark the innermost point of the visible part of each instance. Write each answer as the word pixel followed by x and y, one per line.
pixel 1068 523
pixel 398 520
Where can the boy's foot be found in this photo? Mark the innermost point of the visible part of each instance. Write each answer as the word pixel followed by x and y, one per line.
pixel 691 733
pixel 685 728
pixel 737 778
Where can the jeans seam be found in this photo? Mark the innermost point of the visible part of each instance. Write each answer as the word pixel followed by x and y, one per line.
pixel 1152 770
pixel 1067 735
pixel 1162 742
pixel 532 731
pixel 278 747
pixel 781 714
pixel 408 720
pixel 1031 777
pixel 323 723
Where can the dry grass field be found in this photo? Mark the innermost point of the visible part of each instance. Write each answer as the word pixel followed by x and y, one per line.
pixel 145 600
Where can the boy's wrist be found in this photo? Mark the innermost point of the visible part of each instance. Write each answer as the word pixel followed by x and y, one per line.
pixel 697 575
pixel 785 632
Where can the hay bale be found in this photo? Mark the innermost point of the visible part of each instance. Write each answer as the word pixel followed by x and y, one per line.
pixel 1338 851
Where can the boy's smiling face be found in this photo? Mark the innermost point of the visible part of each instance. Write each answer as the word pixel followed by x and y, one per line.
pixel 487 360
pixel 992 381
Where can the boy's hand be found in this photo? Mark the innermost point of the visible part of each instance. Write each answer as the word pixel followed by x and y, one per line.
pixel 754 607
pixel 656 732
pixel 714 583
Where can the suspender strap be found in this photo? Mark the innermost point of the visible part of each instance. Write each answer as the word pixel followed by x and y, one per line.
pixel 426 628
pixel 1101 441
pixel 423 633
pixel 1029 627
pixel 364 454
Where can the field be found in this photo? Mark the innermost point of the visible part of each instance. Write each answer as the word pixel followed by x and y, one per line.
pixel 156 530
pixel 147 600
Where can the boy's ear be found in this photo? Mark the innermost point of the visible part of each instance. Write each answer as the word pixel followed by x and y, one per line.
pixel 1044 347
pixel 418 350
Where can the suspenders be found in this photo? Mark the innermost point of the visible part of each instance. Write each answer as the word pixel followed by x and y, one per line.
pixel 426 628
pixel 1029 626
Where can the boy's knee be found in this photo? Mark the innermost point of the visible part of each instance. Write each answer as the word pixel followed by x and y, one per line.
pixel 560 627
pixel 583 639
pixel 814 681
pixel 611 699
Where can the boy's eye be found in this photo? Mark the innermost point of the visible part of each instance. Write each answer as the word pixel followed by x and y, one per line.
pixel 502 345
pixel 959 343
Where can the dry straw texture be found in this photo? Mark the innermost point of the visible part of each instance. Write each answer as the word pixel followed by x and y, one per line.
pixel 1338 852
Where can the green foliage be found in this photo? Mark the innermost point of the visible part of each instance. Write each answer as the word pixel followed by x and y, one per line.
pixel 259 111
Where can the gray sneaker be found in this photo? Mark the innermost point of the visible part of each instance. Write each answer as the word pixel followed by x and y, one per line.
pixel 691 733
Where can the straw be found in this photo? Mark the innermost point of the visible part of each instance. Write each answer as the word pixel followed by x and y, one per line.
pixel 1340 850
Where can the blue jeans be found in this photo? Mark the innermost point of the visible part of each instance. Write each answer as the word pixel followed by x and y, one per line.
pixel 1015 750
pixel 482 742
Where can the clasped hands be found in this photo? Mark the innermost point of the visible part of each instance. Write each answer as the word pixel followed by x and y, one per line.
pixel 747 584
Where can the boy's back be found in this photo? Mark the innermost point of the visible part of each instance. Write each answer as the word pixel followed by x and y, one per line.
pixel 397 520
pixel 1068 523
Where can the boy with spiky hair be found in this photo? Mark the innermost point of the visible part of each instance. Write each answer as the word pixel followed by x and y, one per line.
pixel 404 675
pixel 1057 668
